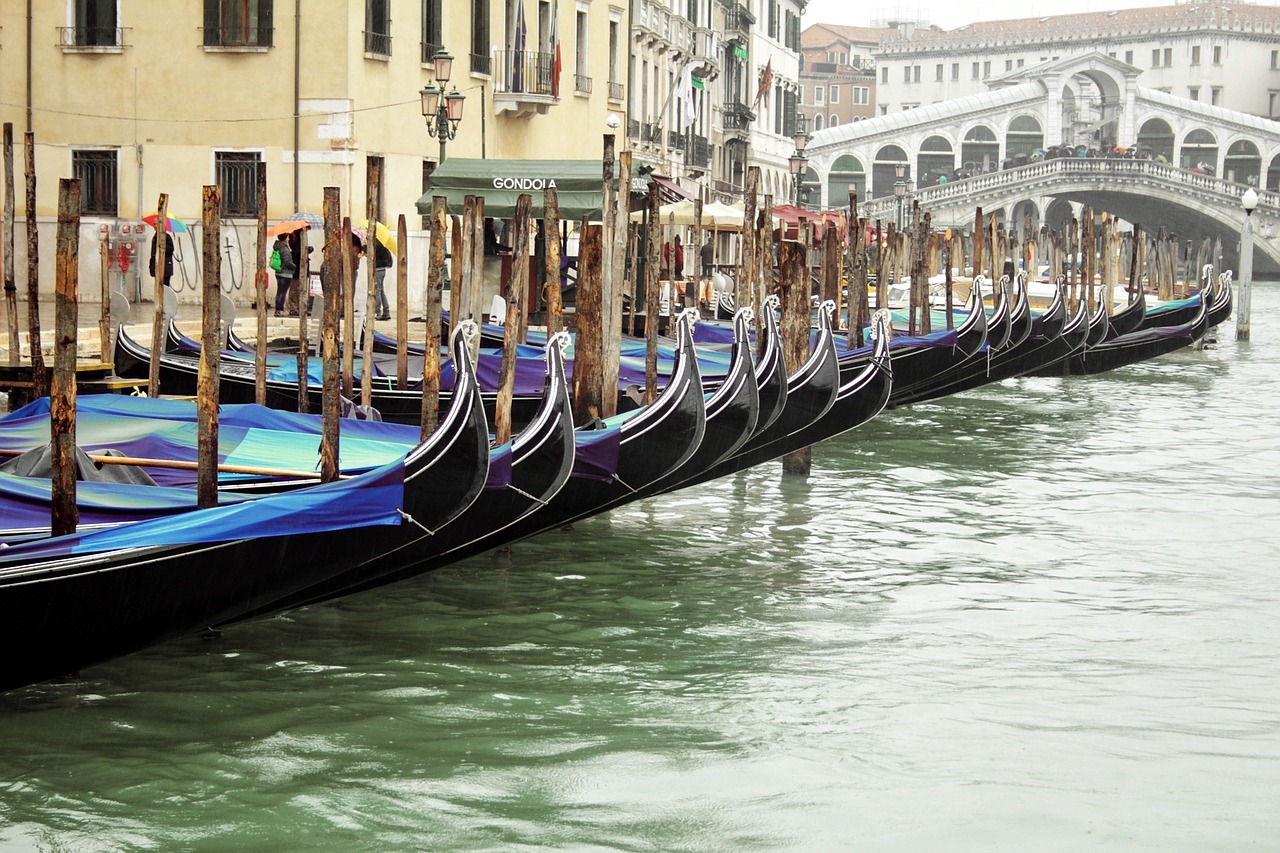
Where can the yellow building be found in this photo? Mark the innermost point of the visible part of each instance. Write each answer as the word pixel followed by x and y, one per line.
pixel 140 97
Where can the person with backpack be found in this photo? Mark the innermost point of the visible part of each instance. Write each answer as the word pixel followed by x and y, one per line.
pixel 382 261
pixel 285 268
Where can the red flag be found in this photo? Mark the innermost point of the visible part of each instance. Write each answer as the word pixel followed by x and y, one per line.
pixel 556 64
pixel 766 83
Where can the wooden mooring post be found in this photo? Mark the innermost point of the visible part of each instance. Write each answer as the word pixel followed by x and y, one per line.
pixel 10 284
pixel 330 283
pixel 64 514
pixel 588 347
pixel 304 345
pixel 346 308
pixel 372 212
pixel 402 304
pixel 157 322
pixel 260 290
pixel 39 376
pixel 516 307
pixel 794 327
pixel 431 315
pixel 551 220
pixel 211 352
pixel 652 298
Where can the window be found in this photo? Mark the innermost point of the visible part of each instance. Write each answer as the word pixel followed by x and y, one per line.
pixel 432 40
pixel 1168 57
pixel 986 69
pixel 581 79
pixel 377 27
pixel 1008 65
pixel 800 90
pixel 833 120
pixel 861 95
pixel 906 74
pixel 1195 54
pixel 1155 58
pixel 1193 92
pixel 955 71
pixel 99 182
pixel 884 74
pixel 1217 54
pixel 1273 100
pixel 1020 61
pixel 819 95
pixel 95 24
pixel 615 57
pixel 1215 96
pixel 833 94
pixel 884 109
pixel 1275 59
pixel 1128 57
pixel 915 74
pixel 479 36
pixel 937 73
pixel 817 121
pixel 237 174
pixel 237 23
pixel 977 71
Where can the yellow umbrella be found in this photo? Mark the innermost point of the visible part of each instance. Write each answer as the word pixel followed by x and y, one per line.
pixel 383 233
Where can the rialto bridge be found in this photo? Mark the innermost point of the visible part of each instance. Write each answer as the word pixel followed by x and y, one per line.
pixel 1185 165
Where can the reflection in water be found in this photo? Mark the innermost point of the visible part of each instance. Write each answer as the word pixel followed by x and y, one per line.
pixel 1036 615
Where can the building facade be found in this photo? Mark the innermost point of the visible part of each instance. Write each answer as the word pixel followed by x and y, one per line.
pixel 1220 54
pixel 837 74
pixel 140 97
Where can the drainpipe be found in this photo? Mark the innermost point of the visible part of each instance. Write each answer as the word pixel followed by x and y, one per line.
pixel 297 99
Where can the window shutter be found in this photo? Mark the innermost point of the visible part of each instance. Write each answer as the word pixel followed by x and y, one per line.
pixel 266 33
pixel 212 35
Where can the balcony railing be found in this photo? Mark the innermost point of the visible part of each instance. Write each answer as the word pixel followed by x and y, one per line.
pixel 237 37
pixel 633 129
pixel 737 116
pixel 91 36
pixel 582 84
pixel 523 71
pixel 429 51
pixel 481 63
pixel 655 133
pixel 738 20
pixel 675 140
pixel 700 155
pixel 615 91
pixel 377 43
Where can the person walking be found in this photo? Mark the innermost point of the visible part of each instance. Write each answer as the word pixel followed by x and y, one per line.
pixel 382 261
pixel 168 256
pixel 285 273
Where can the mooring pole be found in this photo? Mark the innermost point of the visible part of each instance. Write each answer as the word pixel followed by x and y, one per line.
pixel 39 376
pixel 1246 268
pixel 64 514
pixel 652 303
pixel 551 223
pixel 794 327
pixel 346 306
pixel 588 346
pixel 304 345
pixel 372 213
pixel 104 317
pixel 331 399
pixel 402 304
pixel 431 315
pixel 260 291
pixel 10 284
pixel 157 323
pixel 210 353
pixel 516 304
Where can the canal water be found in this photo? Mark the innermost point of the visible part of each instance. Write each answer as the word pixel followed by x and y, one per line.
pixel 1038 616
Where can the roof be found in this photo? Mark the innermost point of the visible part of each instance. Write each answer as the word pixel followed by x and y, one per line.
pixel 1139 23
pixel 823 35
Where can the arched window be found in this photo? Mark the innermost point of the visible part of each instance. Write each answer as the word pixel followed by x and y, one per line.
pixel 817 122
pixel 846 172
pixel 980 150
pixel 884 171
pixel 936 159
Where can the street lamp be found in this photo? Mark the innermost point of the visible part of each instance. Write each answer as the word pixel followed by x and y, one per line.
pixel 899 190
pixel 442 112
pixel 1248 201
pixel 799 161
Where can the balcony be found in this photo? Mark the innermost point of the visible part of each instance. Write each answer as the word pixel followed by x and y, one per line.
pixel 737 23
pixel 675 140
pixel 91 39
pixel 481 64
pixel 581 84
pixel 705 54
pixel 700 154
pixel 377 44
pixel 522 82
pixel 633 129
pixel 429 51
pixel 737 117
pixel 615 91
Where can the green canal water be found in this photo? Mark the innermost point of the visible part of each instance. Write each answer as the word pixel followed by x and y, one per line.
pixel 1038 616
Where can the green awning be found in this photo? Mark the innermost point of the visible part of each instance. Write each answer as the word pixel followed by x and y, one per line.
pixel 578 185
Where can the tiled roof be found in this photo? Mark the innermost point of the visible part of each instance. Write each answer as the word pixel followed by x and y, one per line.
pixel 1144 22
pixel 822 35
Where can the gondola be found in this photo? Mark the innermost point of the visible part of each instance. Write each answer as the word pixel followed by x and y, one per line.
pixel 73 601
pixel 1138 346
pixel 1129 318
pixel 998 327
pixel 647 444
pixel 539 464
pixel 1030 346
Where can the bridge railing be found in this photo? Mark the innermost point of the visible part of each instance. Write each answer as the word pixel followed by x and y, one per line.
pixel 963 190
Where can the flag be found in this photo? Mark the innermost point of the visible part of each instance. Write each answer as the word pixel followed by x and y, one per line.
pixel 555 49
pixel 766 83
pixel 688 110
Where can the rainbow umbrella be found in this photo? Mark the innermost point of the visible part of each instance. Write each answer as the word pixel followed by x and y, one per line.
pixel 171 225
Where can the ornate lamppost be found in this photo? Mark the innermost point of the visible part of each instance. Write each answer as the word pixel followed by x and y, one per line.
pixel 442 112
